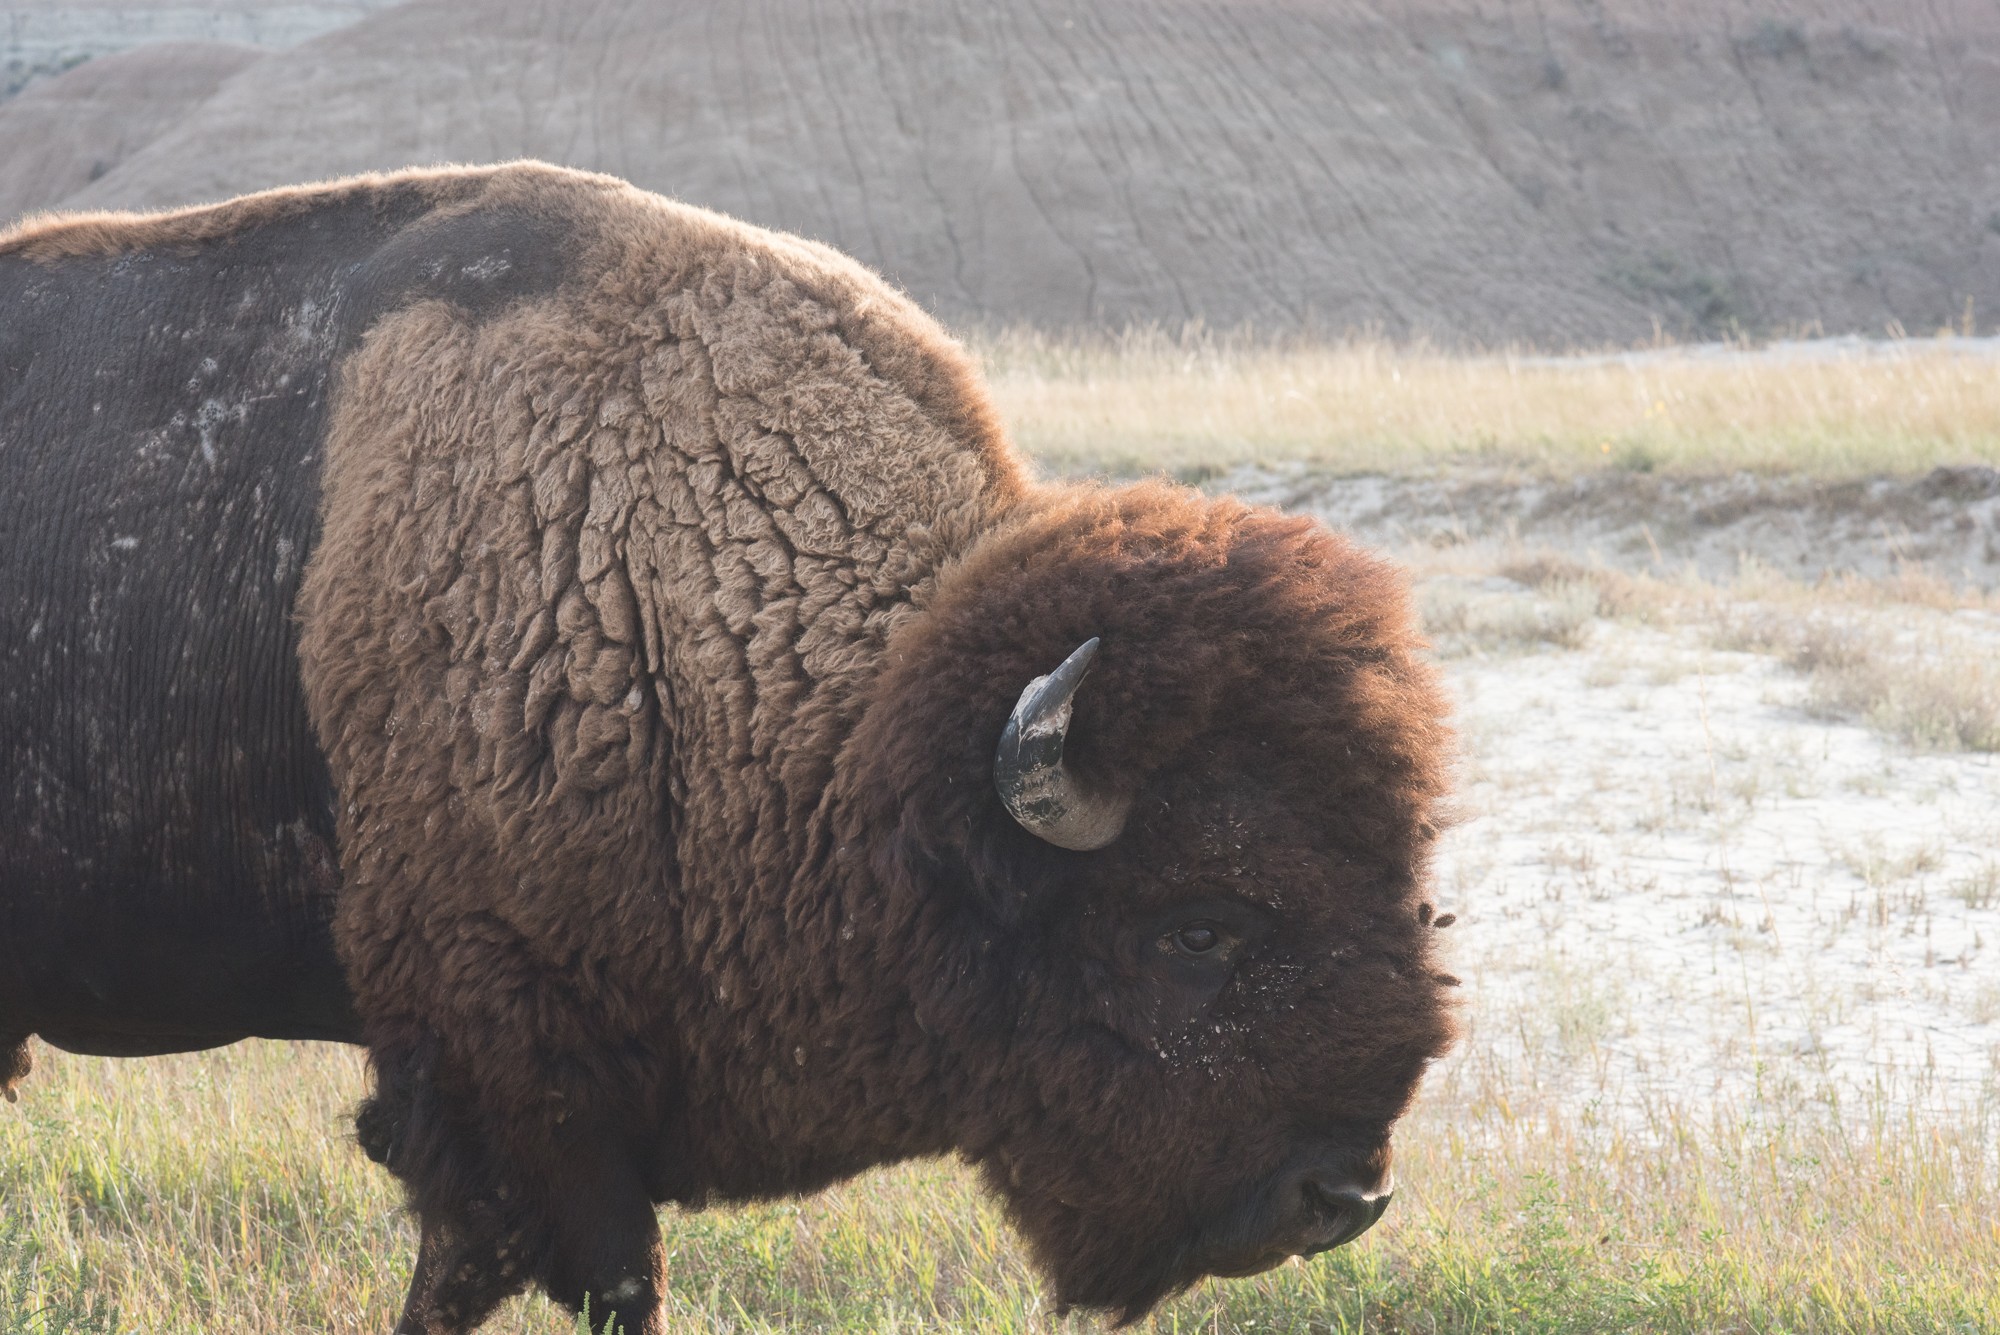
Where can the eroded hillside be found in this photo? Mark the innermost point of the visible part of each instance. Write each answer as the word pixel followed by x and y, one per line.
pixel 1558 171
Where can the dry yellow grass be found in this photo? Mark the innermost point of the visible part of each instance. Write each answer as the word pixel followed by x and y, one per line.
pixel 1199 403
pixel 217 1192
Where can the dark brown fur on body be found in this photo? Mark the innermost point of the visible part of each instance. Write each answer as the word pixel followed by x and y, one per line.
pixel 659 638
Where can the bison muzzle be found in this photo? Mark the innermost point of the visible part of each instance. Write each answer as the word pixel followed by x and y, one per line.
pixel 609 660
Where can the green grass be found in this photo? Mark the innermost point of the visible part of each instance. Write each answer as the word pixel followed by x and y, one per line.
pixel 216 1192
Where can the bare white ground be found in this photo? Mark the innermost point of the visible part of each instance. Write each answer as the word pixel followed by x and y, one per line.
pixel 1677 888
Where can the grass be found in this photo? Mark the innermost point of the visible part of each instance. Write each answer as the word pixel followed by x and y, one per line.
pixel 215 1192
pixel 1199 403
pixel 199 1192
pixel 1981 889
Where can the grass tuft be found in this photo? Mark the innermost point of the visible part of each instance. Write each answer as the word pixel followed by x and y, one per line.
pixel 1981 889
pixel 1934 690
pixel 1872 650
pixel 1464 621
pixel 1946 698
pixel 40 1295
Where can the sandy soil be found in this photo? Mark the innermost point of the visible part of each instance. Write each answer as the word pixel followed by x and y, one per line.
pixel 1678 886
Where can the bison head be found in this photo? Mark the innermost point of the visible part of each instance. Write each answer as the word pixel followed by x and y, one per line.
pixel 1169 972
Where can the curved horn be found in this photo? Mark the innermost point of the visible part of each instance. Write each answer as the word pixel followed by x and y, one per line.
pixel 1028 768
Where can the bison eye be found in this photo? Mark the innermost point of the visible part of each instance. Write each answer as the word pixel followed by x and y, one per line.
pixel 1197 939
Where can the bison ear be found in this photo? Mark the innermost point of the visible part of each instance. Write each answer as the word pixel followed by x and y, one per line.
pixel 1048 801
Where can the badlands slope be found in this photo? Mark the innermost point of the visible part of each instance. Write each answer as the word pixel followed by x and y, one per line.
pixel 1558 171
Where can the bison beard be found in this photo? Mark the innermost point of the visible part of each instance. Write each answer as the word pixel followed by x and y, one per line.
pixel 664 616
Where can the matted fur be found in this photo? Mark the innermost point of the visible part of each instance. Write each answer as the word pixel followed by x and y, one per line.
pixel 601 583
pixel 664 619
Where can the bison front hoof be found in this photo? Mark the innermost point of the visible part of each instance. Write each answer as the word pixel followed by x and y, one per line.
pixel 630 1306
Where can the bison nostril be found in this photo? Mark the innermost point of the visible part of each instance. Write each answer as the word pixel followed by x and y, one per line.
pixel 1344 1212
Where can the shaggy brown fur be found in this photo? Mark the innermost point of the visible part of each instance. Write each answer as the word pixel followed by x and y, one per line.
pixel 1259 689
pixel 659 638
pixel 600 585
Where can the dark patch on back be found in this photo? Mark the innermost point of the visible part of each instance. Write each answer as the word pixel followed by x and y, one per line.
pixel 480 262
pixel 167 848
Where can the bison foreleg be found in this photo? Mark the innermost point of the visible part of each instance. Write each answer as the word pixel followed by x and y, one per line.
pixel 422 1314
pixel 584 1227
pixel 461 1276
pixel 605 1238
pixel 483 1240
pixel 505 1201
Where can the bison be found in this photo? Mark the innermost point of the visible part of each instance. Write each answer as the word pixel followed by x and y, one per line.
pixel 608 659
